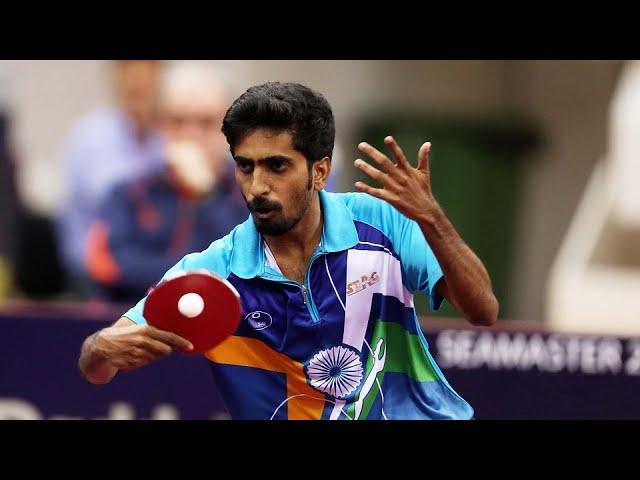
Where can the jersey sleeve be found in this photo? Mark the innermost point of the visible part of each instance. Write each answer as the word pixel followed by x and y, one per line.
pixel 420 266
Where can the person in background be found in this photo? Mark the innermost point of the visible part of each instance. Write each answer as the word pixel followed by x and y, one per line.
pixel 149 223
pixel 9 205
pixel 106 147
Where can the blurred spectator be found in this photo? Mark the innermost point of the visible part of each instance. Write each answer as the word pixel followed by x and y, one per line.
pixel 147 225
pixel 108 146
pixel 8 207
pixel 29 264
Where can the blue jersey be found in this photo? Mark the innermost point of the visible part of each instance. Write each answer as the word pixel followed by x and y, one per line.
pixel 346 344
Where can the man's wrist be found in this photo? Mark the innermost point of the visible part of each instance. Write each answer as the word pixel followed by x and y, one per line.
pixel 98 355
pixel 432 217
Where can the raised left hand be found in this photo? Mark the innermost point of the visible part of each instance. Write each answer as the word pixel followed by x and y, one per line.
pixel 407 188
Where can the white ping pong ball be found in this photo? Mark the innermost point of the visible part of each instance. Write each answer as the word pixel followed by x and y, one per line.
pixel 190 305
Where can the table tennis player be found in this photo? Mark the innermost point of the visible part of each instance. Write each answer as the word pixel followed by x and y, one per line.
pixel 328 327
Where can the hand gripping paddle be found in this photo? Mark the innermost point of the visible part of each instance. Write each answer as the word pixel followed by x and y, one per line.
pixel 199 306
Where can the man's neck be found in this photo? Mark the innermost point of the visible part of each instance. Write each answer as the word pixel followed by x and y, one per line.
pixel 302 239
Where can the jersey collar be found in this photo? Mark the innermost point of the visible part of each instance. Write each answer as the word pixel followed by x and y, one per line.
pixel 338 234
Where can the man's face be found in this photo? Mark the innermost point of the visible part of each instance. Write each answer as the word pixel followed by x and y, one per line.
pixel 195 117
pixel 274 179
pixel 136 86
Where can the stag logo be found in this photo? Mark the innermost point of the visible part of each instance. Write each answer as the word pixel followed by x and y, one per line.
pixel 364 282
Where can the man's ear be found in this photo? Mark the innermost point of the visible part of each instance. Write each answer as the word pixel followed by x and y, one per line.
pixel 321 170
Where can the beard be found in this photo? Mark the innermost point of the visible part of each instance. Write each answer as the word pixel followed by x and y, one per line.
pixel 279 223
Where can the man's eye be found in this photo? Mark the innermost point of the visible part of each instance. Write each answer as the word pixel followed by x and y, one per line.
pixel 278 166
pixel 244 167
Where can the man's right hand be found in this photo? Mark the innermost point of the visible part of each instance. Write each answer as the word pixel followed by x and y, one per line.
pixel 125 346
pixel 134 346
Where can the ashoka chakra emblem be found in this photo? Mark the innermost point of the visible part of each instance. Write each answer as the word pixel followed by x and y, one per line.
pixel 336 371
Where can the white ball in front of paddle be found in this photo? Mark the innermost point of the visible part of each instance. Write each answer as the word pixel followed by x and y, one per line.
pixel 190 305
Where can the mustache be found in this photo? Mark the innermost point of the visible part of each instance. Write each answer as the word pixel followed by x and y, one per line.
pixel 263 203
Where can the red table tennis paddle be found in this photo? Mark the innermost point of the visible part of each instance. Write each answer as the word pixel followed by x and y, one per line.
pixel 199 306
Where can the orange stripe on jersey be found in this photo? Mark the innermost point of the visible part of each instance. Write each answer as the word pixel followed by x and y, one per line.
pixel 306 404
pixel 99 262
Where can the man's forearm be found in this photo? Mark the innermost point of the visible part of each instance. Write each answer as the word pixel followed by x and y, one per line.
pixel 467 281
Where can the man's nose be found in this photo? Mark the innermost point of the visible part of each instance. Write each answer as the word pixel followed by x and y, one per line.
pixel 259 184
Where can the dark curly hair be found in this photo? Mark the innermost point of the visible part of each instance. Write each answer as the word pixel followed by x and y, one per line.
pixel 283 107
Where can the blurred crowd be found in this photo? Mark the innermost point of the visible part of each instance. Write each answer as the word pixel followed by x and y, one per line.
pixel 149 179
